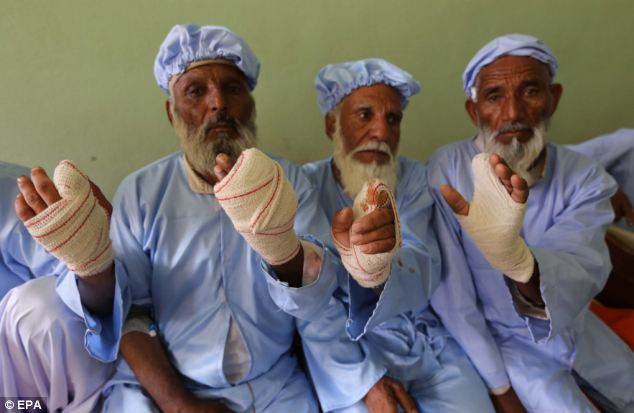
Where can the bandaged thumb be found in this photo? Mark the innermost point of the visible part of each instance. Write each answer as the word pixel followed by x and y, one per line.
pixel 370 270
pixel 261 203
pixel 74 229
pixel 494 223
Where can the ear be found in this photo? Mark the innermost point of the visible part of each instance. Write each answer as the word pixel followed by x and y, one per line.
pixel 168 111
pixel 556 89
pixel 329 124
pixel 469 105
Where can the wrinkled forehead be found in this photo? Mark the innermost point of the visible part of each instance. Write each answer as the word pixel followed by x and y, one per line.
pixel 218 69
pixel 379 95
pixel 513 68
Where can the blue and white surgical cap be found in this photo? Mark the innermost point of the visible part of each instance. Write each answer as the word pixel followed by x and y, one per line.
pixel 335 82
pixel 508 45
pixel 187 44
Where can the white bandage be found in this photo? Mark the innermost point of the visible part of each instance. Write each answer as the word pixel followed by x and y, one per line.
pixel 75 228
pixel 370 270
pixel 261 203
pixel 494 223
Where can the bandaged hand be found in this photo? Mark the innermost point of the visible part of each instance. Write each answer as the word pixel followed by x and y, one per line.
pixel 369 269
pixel 261 203
pixel 74 228
pixel 494 219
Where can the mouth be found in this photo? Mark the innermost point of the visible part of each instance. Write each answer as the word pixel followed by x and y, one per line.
pixel 372 155
pixel 522 135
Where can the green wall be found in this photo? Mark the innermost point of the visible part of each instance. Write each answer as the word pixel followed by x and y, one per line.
pixel 77 78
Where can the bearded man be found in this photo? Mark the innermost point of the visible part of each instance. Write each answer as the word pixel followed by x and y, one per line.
pixel 388 311
pixel 203 240
pixel 519 271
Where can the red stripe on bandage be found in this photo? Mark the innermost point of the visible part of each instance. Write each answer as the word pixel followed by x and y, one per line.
pixel 45 214
pixel 268 203
pixel 92 260
pixel 246 193
pixel 232 173
pixel 68 219
pixel 94 204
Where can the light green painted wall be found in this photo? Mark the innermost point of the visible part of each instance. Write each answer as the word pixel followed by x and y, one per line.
pixel 77 77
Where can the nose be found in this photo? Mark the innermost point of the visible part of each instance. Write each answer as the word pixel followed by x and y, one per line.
pixel 380 129
pixel 217 101
pixel 514 109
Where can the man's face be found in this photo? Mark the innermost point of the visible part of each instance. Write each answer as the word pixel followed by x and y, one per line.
pixel 212 112
pixel 371 113
pixel 514 96
pixel 214 92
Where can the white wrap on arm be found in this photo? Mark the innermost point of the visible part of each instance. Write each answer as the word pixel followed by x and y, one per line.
pixel 74 229
pixel 261 203
pixel 494 223
pixel 370 270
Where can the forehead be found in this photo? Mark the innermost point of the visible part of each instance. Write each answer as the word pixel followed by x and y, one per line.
pixel 214 72
pixel 508 68
pixel 373 95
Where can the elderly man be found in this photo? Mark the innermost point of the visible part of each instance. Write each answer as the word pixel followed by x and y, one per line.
pixel 516 296
pixel 363 103
pixel 39 334
pixel 202 241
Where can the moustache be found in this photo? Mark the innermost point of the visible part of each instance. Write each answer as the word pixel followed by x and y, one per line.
pixel 220 119
pixel 514 127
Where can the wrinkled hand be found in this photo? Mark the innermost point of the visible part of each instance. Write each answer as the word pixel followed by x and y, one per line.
pixel 38 192
pixel 495 216
pixel 507 402
pixel 514 184
pixel 224 163
pixel 622 207
pixel 386 395
pixel 373 233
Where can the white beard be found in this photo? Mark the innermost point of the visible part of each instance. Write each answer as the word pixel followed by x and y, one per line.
pixel 520 156
pixel 353 174
pixel 201 153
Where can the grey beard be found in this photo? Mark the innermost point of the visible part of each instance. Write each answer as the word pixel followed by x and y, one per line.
pixel 353 174
pixel 201 153
pixel 520 156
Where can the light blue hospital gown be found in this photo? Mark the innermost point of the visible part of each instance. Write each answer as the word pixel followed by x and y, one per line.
pixel 615 152
pixel 564 226
pixel 41 340
pixel 398 326
pixel 177 251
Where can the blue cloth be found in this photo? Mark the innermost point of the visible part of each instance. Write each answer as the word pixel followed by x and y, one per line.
pixel 615 152
pixel 508 45
pixel 21 258
pixel 177 251
pixel 188 43
pixel 566 217
pixel 336 81
pixel 398 325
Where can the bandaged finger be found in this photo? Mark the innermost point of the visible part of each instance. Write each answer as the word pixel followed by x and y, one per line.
pixel 74 229
pixel 371 270
pixel 494 223
pixel 261 203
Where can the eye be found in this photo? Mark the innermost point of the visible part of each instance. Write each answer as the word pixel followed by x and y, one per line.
pixel 195 91
pixel 364 114
pixel 394 118
pixel 493 98
pixel 531 91
pixel 234 88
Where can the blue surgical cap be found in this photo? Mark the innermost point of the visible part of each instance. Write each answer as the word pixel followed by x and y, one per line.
pixel 508 45
pixel 190 43
pixel 335 82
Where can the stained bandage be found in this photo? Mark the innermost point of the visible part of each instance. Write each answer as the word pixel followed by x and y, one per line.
pixel 74 229
pixel 261 203
pixel 494 223
pixel 371 270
